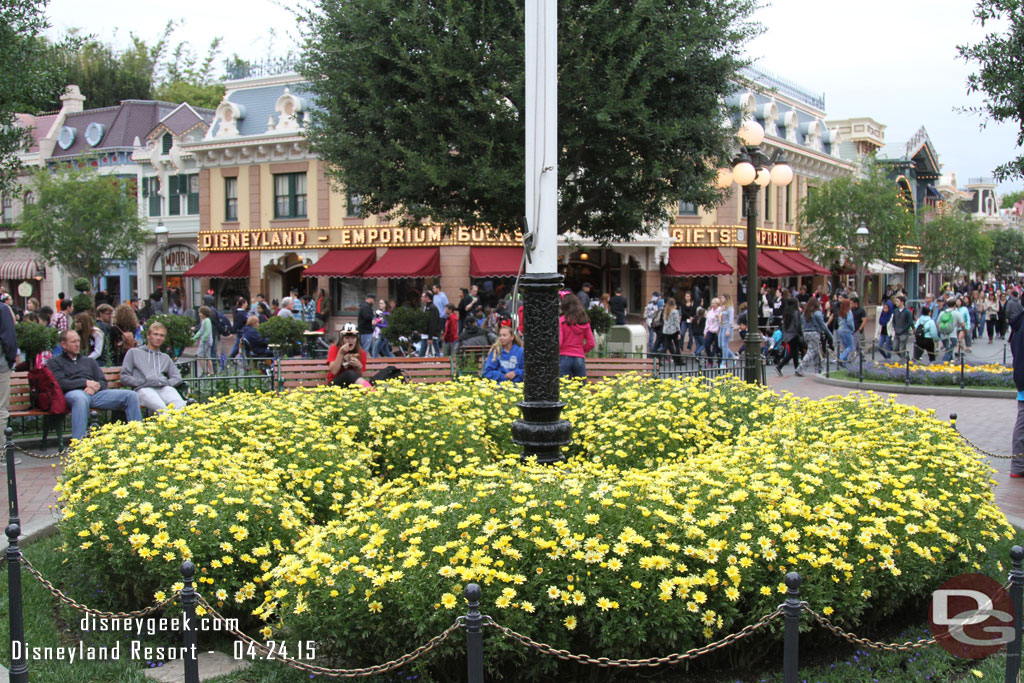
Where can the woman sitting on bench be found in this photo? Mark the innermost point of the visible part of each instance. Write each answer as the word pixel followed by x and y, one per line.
pixel 256 342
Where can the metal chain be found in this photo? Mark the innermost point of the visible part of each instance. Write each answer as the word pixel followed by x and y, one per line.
pixel 40 456
pixel 864 642
pixel 88 610
pixel 407 658
pixel 567 656
pixel 984 452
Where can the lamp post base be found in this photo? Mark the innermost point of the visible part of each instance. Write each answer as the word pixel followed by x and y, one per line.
pixel 541 432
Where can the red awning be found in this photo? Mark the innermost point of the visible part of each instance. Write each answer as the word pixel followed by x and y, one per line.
pixel 342 263
pixel 684 261
pixel 407 262
pixel 767 266
pixel 495 261
pixel 222 264
pixel 804 265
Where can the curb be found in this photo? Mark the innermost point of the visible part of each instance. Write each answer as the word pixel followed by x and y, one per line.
pixel 920 390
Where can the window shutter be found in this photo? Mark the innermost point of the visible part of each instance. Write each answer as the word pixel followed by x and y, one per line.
pixel 145 187
pixel 183 184
pixel 172 188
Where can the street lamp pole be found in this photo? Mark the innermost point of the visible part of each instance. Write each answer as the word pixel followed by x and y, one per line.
pixel 753 169
pixel 161 242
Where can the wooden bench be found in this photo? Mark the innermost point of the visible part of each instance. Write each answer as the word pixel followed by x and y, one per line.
pixel 599 369
pixel 312 372
pixel 21 403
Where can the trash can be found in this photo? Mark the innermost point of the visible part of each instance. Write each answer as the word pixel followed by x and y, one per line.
pixel 627 339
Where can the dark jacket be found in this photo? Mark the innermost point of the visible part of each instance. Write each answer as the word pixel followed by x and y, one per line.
pixel 364 322
pixel 72 374
pixel 618 305
pixel 434 327
pixel 1016 348
pixel 256 341
pixel 241 316
pixel 902 321
pixel 8 340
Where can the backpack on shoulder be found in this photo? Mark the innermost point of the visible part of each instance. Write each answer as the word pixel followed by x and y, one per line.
pixel 45 392
pixel 945 323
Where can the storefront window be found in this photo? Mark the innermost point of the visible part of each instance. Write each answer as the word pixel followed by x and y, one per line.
pixel 348 292
pixel 290 195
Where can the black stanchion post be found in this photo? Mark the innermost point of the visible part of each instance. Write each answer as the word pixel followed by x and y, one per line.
pixel 19 667
pixel 860 366
pixel 12 478
pixel 474 635
pixel 828 363
pixel 791 610
pixel 189 600
pixel 952 421
pixel 1017 599
pixel 962 356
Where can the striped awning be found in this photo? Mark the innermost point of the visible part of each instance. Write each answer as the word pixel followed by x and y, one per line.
pixel 21 269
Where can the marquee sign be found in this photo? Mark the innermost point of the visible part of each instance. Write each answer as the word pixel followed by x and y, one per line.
pixel 177 259
pixel 732 236
pixel 350 237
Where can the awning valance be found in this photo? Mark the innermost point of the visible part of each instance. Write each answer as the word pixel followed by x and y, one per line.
pixel 231 265
pixel 407 262
pixel 689 261
pixel 798 264
pixel 883 268
pixel 767 266
pixel 342 263
pixel 495 261
pixel 20 269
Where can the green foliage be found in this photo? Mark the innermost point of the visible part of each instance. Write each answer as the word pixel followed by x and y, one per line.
pixel 82 284
pixel 1000 76
pixel 1007 252
pixel 1010 198
pixel 952 243
pixel 179 332
pixel 830 216
pixel 424 110
pixel 28 79
pixel 600 320
pixel 208 96
pixel 403 321
pixel 34 338
pixel 286 332
pixel 82 220
pixel 81 303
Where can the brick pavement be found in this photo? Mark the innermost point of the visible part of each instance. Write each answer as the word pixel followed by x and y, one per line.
pixel 987 422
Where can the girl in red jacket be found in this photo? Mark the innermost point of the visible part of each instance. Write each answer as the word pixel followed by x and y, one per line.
pixel 575 338
pixel 451 331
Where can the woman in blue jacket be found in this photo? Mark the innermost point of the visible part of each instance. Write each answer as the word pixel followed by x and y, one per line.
pixel 505 360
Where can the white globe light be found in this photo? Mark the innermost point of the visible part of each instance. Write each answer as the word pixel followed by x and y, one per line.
pixel 763 177
pixel 744 173
pixel 782 175
pixel 750 133
pixel 724 178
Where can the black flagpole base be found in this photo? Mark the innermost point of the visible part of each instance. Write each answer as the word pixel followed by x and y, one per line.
pixel 541 432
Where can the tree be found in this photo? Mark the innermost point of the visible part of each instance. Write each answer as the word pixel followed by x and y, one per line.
pixel 421 107
pixel 831 215
pixel 1000 77
pixel 952 243
pixel 1009 199
pixel 183 77
pixel 82 220
pixel 1007 253
pixel 28 79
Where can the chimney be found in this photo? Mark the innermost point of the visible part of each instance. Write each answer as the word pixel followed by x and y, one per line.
pixel 73 101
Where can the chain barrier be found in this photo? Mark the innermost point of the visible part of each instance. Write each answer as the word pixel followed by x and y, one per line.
pixel 88 610
pixel 986 453
pixel 908 646
pixel 40 456
pixel 407 658
pixel 567 656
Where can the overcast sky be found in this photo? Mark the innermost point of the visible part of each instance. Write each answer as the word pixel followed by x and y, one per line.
pixel 892 60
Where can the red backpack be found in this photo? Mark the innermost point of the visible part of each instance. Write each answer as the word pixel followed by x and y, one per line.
pixel 46 393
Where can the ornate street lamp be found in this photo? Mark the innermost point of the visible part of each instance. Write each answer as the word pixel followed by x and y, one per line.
pixel 161 242
pixel 753 169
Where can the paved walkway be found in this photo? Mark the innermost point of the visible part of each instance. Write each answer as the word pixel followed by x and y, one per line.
pixel 987 422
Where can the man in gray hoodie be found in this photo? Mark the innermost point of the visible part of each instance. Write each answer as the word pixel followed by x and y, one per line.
pixel 152 373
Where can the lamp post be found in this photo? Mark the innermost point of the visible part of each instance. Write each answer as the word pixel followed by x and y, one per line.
pixel 753 169
pixel 161 242
pixel 862 243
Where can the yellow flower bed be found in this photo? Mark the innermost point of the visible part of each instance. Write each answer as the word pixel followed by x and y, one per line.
pixel 950 368
pixel 673 524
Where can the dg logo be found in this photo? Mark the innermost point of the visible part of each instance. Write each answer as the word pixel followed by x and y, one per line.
pixel 971 616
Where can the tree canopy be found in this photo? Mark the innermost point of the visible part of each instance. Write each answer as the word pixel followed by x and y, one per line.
pixel 1007 253
pixel 833 212
pixel 82 220
pixel 1000 75
pixel 421 107
pixel 28 79
pixel 1010 198
pixel 952 242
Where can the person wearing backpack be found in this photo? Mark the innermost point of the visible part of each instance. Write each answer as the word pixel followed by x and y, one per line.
pixel 949 324
pixel 925 335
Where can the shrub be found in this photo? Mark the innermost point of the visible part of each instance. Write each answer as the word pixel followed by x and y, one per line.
pixel 82 284
pixel 600 320
pixel 81 303
pixel 404 321
pixel 287 333
pixel 179 332
pixel 348 514
pixel 34 338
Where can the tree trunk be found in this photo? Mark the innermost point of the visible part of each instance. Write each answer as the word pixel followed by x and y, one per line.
pixel 860 284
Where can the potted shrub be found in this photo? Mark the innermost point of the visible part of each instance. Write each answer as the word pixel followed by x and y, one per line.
pixel 179 332
pixel 82 302
pixel 34 338
pixel 285 333
pixel 403 322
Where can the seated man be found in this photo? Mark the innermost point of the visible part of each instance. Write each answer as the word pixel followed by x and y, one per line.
pixel 85 387
pixel 152 373
pixel 256 342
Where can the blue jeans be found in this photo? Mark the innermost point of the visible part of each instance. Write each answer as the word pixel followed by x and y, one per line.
pixel 383 349
pixel 366 343
pixel 572 366
pixel 238 343
pixel 684 329
pixel 426 343
pixel 724 335
pixel 107 399
pixel 846 339
pixel 884 345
